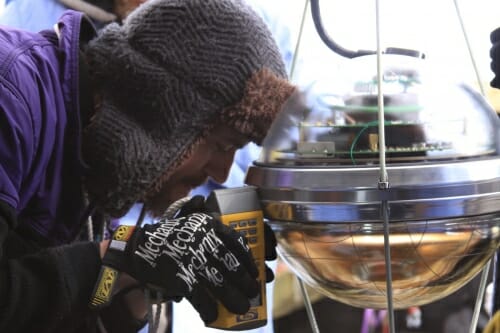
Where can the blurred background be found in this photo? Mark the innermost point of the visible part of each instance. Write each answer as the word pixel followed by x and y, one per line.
pixel 429 26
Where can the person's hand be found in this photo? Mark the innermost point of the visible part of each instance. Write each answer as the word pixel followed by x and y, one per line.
pixel 495 57
pixel 270 248
pixel 197 204
pixel 197 257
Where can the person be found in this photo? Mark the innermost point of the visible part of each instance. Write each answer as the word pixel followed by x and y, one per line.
pixel 495 58
pixel 142 112
pixel 36 15
pixel 183 316
pixel 102 12
pixel 493 325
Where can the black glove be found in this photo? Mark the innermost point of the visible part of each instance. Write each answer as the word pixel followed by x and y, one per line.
pixel 197 204
pixel 271 253
pixel 197 257
pixel 495 57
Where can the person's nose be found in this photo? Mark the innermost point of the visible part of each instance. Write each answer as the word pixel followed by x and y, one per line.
pixel 219 166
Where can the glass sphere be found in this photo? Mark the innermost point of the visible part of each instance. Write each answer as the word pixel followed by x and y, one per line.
pixel 429 259
pixel 326 196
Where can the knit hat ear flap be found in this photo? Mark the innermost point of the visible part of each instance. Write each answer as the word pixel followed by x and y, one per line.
pixel 119 154
pixel 251 117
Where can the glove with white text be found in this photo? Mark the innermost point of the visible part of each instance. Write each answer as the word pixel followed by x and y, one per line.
pixel 197 204
pixel 197 257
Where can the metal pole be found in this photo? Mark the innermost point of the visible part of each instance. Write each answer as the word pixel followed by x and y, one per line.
pixel 299 40
pixel 309 308
pixel 479 298
pixel 307 300
pixel 388 268
pixel 305 295
pixel 484 275
pixel 383 179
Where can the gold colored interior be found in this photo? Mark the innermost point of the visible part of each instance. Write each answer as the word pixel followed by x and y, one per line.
pixel 350 266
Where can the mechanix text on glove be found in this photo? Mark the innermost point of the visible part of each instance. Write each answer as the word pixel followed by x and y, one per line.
pixel 183 239
pixel 199 258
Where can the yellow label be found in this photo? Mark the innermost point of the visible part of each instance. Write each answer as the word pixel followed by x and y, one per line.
pixel 123 232
pixel 104 289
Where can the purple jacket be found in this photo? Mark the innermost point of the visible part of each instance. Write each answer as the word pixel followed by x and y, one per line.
pixel 43 288
pixel 40 169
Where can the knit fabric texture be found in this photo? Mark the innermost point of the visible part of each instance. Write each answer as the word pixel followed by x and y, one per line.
pixel 169 74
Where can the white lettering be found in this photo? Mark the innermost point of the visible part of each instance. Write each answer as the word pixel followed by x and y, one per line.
pixel 187 276
pixel 147 255
pixel 198 260
pixel 213 276
pixel 230 261
pixel 190 240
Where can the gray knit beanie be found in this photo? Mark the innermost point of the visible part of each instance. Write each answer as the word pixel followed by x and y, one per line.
pixel 165 78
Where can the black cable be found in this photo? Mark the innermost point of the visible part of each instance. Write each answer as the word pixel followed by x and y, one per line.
pixel 318 24
pixel 330 43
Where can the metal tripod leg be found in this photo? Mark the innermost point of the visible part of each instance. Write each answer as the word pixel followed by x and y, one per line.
pixel 309 308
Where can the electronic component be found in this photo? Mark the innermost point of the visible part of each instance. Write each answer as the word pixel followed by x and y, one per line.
pixel 240 209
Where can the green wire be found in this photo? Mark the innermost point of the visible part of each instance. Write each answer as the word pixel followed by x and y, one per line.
pixel 355 141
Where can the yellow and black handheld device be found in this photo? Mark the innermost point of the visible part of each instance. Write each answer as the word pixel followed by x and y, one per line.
pixel 241 210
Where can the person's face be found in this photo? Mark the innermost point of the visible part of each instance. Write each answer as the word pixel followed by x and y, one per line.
pixel 211 158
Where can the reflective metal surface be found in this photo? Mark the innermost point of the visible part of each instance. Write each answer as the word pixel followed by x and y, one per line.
pixel 341 194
